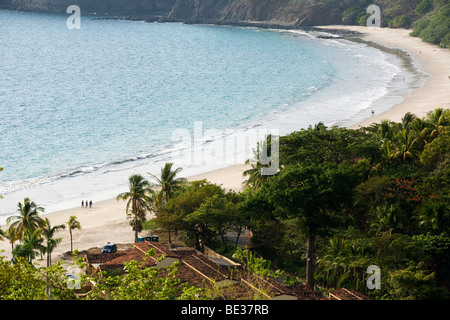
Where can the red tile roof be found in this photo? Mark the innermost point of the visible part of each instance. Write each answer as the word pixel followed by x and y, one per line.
pixel 197 270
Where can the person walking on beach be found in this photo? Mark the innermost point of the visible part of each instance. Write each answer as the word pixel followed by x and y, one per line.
pixel 87 203
pixel 90 204
pixel 82 203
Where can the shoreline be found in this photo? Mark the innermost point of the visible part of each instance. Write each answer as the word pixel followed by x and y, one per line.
pixel 430 59
pixel 106 220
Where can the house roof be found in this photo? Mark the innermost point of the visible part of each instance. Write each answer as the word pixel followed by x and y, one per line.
pixel 198 270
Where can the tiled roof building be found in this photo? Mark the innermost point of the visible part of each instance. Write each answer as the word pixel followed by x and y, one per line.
pixel 199 270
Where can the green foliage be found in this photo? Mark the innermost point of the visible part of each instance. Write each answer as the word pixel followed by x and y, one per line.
pixel 424 7
pixel 144 283
pixel 437 151
pixel 343 263
pixel 316 193
pixel 400 22
pixel 24 281
pixel 139 201
pixel 437 246
pixel 434 216
pixel 202 211
pixel 434 27
pixel 413 283
pixel 257 265
pixel 353 15
pixel 27 218
pixel 320 144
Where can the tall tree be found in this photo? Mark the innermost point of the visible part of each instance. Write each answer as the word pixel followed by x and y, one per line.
pixel 140 199
pixel 180 212
pixel 168 181
pixel 49 232
pixel 316 194
pixel 168 184
pixel 27 218
pixel 73 224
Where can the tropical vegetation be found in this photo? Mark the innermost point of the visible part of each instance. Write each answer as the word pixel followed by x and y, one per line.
pixel 342 201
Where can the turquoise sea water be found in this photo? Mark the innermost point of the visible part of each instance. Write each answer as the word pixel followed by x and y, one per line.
pixel 81 110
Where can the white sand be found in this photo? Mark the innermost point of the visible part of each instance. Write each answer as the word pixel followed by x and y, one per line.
pixel 106 221
pixel 431 59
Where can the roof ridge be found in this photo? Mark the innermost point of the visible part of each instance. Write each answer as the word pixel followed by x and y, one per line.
pixel 142 250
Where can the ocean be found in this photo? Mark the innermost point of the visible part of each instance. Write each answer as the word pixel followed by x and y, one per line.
pixel 83 109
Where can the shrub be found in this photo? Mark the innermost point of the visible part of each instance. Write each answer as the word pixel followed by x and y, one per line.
pixel 400 22
pixel 424 7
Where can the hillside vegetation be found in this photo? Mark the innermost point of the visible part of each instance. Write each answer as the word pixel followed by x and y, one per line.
pixel 429 18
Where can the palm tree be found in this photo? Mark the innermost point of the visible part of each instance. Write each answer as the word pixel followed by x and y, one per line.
pixel 11 235
pixel 140 198
pixel 407 146
pixel 73 224
pixel 388 149
pixel 31 246
pixel 168 181
pixel 48 232
pixel 436 119
pixel 435 216
pixel 386 130
pixel 386 219
pixel 28 218
pixel 255 177
pixel 168 184
pixel 408 120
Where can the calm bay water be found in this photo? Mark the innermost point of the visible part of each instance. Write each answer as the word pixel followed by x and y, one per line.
pixel 81 110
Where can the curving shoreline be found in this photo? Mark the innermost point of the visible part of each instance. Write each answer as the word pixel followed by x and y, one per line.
pixel 105 221
pixel 431 59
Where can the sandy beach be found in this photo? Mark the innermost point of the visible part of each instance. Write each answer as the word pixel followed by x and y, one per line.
pixel 429 58
pixel 106 221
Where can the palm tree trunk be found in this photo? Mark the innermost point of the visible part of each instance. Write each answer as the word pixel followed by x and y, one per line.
pixel 135 228
pixel 134 208
pixel 310 261
pixel 167 199
pixel 71 248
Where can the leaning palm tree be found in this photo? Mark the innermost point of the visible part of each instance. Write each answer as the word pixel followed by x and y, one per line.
pixel 49 232
pixel 73 224
pixel 28 218
pixel 140 199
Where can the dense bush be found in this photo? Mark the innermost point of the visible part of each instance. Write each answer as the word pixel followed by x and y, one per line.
pixel 400 22
pixel 434 27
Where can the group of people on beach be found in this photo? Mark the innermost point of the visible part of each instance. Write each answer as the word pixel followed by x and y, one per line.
pixel 87 204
